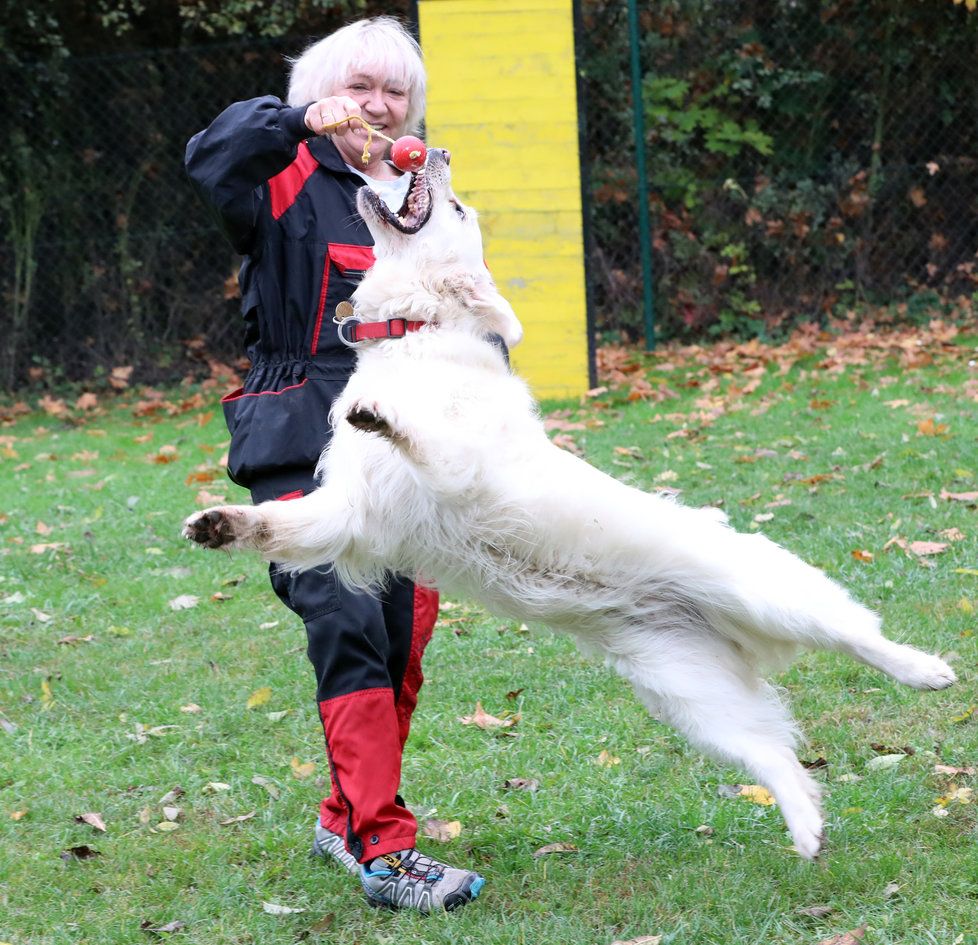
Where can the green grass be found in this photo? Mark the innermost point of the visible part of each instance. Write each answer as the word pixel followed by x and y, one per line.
pixel 641 867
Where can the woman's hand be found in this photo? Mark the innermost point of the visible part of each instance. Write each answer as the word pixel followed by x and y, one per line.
pixel 322 116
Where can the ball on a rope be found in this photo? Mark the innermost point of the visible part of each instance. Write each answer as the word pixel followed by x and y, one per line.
pixel 409 153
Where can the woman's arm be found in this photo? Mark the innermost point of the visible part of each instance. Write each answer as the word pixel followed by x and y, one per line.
pixel 230 161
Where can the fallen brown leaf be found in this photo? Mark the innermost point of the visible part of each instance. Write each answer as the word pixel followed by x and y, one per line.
pixel 882 749
pixel 846 938
pixel 86 401
pixel 754 793
pixel 165 454
pixel 53 406
pixel 200 476
pixel 555 848
pixel 238 819
pixel 930 427
pixel 324 924
pixel 119 377
pixel 482 719
pixel 952 770
pixel 442 830
pixel 274 909
pixel 566 442
pixel 175 926
pixel 959 496
pixel 92 819
pixel 205 498
pixel 302 770
pixel 184 602
pixel 816 912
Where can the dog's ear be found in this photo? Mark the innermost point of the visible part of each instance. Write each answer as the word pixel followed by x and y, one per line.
pixel 501 319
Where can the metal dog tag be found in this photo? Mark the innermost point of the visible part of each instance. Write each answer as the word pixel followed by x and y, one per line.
pixel 343 310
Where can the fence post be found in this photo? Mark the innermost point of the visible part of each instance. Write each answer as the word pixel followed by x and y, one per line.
pixel 644 225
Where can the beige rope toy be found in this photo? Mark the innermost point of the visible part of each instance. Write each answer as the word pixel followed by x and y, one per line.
pixel 408 153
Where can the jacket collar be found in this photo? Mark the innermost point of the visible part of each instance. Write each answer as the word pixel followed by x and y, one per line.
pixel 324 151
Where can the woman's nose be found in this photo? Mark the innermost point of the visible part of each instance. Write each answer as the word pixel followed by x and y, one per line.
pixel 374 102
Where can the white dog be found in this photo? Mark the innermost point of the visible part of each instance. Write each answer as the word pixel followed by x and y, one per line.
pixel 440 468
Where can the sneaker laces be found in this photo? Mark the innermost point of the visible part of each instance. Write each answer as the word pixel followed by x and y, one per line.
pixel 410 863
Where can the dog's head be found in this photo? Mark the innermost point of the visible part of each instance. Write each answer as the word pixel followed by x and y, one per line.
pixel 430 264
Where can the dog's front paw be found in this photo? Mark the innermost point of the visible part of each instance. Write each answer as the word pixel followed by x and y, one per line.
pixel 212 528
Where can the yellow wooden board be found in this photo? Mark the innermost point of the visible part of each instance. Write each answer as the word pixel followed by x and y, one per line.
pixel 486 8
pixel 502 97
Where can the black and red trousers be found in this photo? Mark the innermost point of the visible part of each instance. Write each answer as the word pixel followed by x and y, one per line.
pixel 366 651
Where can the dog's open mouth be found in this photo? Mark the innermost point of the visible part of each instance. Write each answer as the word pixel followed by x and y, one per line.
pixel 415 210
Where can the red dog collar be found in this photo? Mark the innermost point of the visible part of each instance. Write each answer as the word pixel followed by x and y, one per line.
pixel 353 331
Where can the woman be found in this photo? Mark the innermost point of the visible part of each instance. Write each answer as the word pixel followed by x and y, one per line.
pixel 282 179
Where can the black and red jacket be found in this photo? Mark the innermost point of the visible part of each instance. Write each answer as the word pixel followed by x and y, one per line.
pixel 286 201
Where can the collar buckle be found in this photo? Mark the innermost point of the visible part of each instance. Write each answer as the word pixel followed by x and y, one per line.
pixel 347 331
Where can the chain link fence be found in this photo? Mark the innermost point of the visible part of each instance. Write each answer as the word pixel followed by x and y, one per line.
pixel 111 258
pixel 804 159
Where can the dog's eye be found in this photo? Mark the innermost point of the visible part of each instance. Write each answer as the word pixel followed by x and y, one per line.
pixel 458 209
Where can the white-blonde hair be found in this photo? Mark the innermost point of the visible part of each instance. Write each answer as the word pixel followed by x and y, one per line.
pixel 379 45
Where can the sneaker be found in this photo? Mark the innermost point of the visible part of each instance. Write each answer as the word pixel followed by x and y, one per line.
pixel 411 880
pixel 326 843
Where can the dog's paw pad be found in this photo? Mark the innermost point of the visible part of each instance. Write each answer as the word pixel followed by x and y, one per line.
pixel 211 528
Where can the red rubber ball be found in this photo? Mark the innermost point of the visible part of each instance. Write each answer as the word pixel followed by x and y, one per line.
pixel 408 153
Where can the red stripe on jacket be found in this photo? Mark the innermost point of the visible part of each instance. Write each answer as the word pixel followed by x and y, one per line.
pixel 344 256
pixel 285 186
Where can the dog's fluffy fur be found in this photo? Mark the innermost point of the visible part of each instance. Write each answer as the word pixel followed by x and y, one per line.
pixel 440 468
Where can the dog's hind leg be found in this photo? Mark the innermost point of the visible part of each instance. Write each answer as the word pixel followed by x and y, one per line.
pixel 855 631
pixel 716 701
pixel 906 664
pixel 782 598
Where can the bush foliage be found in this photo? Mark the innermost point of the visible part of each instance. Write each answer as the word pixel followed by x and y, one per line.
pixel 805 157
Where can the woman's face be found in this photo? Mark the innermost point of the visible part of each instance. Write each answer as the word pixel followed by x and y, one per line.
pixel 384 105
